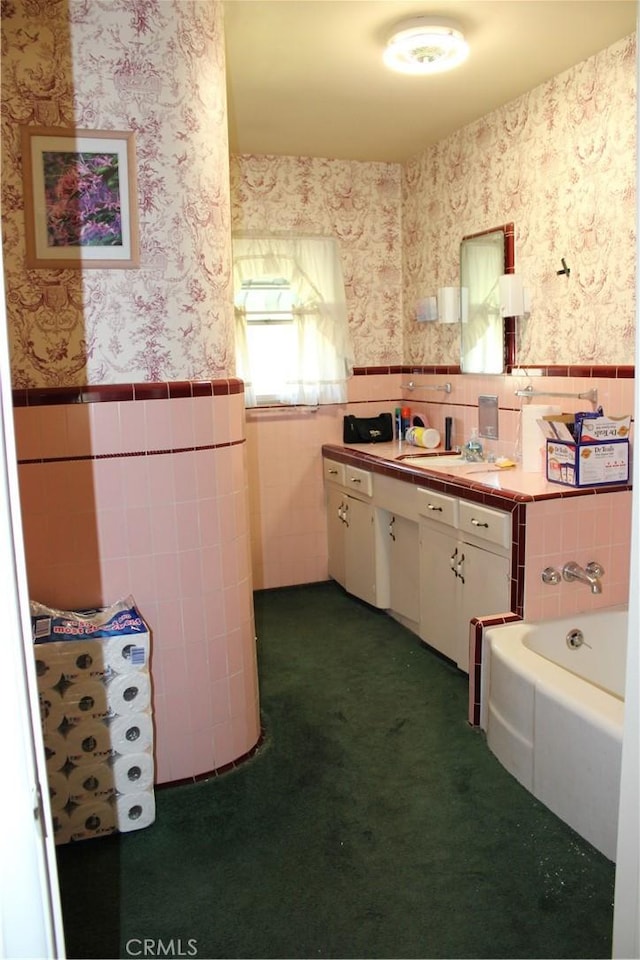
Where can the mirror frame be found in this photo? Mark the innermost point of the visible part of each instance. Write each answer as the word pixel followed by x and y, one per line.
pixel 509 328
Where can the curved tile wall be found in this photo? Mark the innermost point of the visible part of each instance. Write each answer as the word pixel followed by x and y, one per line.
pixel 142 489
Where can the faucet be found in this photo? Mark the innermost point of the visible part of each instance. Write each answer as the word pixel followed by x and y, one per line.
pixel 591 574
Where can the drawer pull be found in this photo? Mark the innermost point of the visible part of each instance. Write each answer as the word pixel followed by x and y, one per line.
pixel 477 523
pixel 391 533
pixel 333 473
pixel 430 506
pixel 355 480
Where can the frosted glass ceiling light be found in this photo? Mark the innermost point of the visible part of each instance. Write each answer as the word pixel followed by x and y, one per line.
pixel 424 46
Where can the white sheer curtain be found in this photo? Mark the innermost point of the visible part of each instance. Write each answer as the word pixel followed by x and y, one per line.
pixel 482 263
pixel 312 267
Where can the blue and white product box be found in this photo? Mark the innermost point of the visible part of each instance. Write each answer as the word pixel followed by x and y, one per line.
pixel 588 464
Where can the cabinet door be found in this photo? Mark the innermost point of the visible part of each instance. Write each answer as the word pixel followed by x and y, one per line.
pixel 404 561
pixel 336 528
pixel 439 589
pixel 485 581
pixel 360 552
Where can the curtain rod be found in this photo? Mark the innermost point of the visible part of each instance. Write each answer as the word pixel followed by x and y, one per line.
pixel 283 408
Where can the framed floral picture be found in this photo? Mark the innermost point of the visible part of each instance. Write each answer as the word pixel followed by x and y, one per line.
pixel 79 198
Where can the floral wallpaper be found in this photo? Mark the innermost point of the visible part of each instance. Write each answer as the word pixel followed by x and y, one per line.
pixel 155 67
pixel 560 163
pixel 359 204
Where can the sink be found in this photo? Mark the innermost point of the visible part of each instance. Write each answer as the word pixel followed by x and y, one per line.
pixel 435 461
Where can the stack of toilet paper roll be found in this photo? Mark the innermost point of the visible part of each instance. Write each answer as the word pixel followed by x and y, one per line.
pixel 95 705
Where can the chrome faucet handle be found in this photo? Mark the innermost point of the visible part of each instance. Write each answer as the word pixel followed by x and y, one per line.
pixel 551 575
pixel 595 569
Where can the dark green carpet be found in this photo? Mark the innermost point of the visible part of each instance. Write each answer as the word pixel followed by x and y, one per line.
pixel 373 822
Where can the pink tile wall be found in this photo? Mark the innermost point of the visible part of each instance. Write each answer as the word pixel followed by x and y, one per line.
pixel 168 525
pixel 586 528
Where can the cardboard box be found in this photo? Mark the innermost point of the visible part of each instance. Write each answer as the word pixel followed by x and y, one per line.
pixel 601 429
pixel 587 464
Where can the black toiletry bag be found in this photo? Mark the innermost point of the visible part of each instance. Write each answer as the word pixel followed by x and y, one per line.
pixel 368 429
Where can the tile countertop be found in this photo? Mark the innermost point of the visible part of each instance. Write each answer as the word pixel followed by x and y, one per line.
pixel 513 484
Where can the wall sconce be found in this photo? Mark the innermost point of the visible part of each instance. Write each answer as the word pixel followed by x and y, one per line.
pixel 514 298
pixel 448 304
pixel 427 310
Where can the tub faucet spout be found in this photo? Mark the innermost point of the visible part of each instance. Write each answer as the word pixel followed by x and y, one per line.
pixel 589 575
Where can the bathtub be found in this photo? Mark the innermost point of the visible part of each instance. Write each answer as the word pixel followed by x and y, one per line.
pixel 553 715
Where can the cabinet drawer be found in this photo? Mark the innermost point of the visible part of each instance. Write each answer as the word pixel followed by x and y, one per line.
pixel 333 471
pixel 395 496
pixel 438 506
pixel 483 522
pixel 359 481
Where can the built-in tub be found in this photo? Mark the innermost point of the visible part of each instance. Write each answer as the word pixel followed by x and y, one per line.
pixel 553 715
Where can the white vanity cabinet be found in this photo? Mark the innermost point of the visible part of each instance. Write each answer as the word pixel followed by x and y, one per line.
pixel 465 560
pixel 351 530
pixel 397 514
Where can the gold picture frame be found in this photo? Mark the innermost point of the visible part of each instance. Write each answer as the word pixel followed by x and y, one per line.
pixel 80 199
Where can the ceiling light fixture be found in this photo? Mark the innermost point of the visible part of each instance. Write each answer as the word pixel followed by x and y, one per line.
pixel 425 45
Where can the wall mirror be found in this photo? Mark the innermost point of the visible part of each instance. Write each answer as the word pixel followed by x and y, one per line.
pixel 487 341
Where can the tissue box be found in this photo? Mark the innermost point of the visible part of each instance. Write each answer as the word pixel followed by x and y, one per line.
pixel 588 464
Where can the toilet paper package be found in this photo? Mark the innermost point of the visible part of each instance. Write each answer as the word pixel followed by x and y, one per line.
pixel 93 644
pixel 94 692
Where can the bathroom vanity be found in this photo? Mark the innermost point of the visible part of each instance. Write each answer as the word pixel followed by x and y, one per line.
pixel 438 542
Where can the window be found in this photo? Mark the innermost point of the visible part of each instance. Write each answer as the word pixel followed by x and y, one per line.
pixel 271 335
pixel 292 337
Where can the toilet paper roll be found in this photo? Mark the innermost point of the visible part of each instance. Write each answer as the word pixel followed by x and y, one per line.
pixel 55 750
pixel 89 742
pixel 83 660
pixel 48 668
pixel 85 700
pixel 134 811
pixel 92 781
pixel 533 441
pixel 93 819
pixel 131 734
pixel 51 710
pixel 133 773
pixel 128 693
pixel 61 826
pixel 58 790
pixel 126 653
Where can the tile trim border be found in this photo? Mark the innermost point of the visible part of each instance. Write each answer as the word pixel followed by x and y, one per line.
pixel 122 392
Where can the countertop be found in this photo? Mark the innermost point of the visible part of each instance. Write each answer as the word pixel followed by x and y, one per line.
pixel 509 484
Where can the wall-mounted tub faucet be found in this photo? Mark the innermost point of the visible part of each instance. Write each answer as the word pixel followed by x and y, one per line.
pixel 590 574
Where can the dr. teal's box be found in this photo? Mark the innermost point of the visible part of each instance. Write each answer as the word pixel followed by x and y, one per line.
pixel 587 464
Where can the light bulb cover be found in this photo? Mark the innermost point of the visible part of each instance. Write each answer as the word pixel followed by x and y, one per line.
pixel 424 45
pixel 511 290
